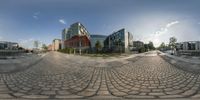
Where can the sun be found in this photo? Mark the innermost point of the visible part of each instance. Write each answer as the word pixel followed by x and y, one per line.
pixel 156 42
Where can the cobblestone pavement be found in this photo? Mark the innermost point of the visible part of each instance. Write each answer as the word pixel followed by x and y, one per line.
pixel 143 77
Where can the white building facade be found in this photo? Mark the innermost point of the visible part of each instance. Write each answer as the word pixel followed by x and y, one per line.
pixel 56 45
pixel 189 45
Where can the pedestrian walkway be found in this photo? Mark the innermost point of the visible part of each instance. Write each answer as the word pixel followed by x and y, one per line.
pixel 22 62
pixel 188 60
pixel 59 76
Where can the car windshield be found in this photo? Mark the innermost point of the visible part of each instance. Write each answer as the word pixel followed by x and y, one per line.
pixel 99 49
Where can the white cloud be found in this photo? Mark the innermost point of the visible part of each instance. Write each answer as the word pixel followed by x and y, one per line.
pixel 165 29
pixel 157 36
pixel 35 15
pixel 62 21
pixel 1 38
pixel 172 23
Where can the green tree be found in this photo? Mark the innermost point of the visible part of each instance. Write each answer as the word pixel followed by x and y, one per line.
pixel 146 47
pixel 162 45
pixel 172 43
pixel 44 47
pixel 151 46
pixel 98 46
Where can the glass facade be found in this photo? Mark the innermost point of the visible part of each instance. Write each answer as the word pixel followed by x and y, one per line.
pixel 8 45
pixel 95 38
pixel 119 41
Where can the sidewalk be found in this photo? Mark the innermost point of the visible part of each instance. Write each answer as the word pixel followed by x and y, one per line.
pixel 191 60
pixel 189 65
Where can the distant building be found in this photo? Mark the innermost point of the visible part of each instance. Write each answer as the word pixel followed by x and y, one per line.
pixel 77 37
pixel 120 41
pixel 190 48
pixel 56 45
pixel 189 45
pixel 94 39
pixel 4 45
pixel 64 37
pixel 49 47
pixel 137 45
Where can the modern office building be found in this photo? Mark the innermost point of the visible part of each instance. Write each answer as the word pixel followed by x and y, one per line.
pixel 77 37
pixel 189 45
pixel 120 41
pixel 94 39
pixel 4 45
pixel 56 45
pixel 64 37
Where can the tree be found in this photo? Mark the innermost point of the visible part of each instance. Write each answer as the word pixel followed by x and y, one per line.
pixel 146 47
pixel 44 47
pixel 172 43
pixel 151 46
pixel 98 46
pixel 162 45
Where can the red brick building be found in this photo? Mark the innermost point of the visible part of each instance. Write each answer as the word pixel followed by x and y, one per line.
pixel 76 37
pixel 78 42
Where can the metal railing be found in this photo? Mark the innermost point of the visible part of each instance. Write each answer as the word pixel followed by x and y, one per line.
pixel 189 52
pixel 7 53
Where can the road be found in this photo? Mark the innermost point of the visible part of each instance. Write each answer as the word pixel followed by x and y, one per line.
pixel 62 76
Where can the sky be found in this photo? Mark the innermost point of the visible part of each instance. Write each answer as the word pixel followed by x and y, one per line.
pixel 24 21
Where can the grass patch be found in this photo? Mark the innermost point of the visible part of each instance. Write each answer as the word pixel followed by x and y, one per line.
pixel 103 55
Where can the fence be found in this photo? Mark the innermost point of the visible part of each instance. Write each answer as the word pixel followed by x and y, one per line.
pixel 7 53
pixel 189 52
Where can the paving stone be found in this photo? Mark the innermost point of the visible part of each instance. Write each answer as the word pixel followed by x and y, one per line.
pixel 196 96
pixel 5 96
pixel 35 96
pixel 171 96
pixel 133 92
pixel 120 94
pixel 189 93
pixel 48 92
pixel 61 77
pixel 174 92
pixel 139 97
pixel 18 94
pixel 63 93
pixel 68 97
pixel 156 94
